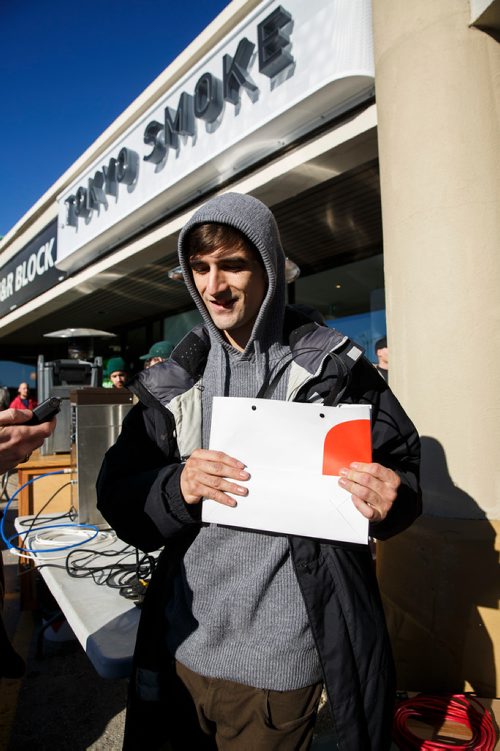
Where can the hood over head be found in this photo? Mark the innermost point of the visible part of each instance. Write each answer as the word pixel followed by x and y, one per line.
pixel 256 221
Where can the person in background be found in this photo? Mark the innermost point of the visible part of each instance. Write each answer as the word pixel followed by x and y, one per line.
pixel 17 441
pixel 382 352
pixel 240 629
pixel 117 372
pixel 159 352
pixel 23 399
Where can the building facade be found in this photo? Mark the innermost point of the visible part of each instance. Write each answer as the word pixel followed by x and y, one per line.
pixel 372 131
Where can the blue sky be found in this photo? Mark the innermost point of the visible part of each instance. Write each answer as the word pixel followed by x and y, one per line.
pixel 67 70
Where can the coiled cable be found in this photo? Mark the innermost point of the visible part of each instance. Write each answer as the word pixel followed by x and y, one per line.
pixel 434 710
pixel 27 552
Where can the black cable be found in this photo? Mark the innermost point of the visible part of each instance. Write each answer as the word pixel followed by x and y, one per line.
pixel 5 482
pixel 31 523
pixel 130 578
pixel 70 514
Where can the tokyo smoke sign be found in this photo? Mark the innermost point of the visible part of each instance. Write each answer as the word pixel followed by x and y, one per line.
pixel 239 104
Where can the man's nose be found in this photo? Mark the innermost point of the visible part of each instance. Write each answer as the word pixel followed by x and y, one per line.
pixel 216 282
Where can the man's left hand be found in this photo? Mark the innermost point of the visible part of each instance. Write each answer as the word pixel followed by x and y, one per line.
pixel 374 488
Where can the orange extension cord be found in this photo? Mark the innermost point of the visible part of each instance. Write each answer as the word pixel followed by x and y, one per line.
pixel 459 708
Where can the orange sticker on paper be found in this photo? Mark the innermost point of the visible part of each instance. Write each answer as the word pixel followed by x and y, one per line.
pixel 347 442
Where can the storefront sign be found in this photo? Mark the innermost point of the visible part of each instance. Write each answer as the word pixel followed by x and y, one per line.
pixel 31 271
pixel 284 70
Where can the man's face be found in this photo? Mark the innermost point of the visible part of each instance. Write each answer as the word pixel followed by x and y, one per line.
pixel 383 357
pixel 23 390
pixel 232 283
pixel 118 379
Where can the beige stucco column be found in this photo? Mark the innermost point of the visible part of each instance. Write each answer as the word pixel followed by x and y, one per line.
pixel 438 103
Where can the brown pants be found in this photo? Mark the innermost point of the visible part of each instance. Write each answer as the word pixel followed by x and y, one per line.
pixel 212 713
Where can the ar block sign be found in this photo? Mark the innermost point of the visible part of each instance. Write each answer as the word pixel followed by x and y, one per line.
pixel 294 453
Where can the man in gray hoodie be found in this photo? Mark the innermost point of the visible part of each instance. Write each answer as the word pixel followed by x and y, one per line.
pixel 245 620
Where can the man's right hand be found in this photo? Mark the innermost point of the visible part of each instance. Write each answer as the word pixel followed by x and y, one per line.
pixel 17 441
pixel 209 473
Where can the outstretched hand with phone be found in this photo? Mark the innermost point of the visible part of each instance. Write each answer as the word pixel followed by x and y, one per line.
pixel 45 411
pixel 18 438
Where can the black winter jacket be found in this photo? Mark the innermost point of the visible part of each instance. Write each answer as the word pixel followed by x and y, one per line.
pixel 139 495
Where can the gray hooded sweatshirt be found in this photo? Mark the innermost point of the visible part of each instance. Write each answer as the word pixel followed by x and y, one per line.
pixel 237 612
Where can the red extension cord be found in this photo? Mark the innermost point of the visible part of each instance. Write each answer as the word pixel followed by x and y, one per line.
pixel 459 708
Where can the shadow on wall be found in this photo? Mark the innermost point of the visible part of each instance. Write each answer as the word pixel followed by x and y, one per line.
pixel 441 496
pixel 441 586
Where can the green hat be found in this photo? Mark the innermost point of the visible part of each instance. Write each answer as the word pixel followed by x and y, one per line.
pixel 114 364
pixel 160 349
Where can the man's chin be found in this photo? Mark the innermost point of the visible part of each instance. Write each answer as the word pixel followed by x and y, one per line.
pixel 224 326
pixel 224 320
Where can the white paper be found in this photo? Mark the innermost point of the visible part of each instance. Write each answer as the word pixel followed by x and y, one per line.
pixel 282 445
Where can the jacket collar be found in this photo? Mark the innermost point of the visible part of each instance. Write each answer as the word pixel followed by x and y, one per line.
pixel 309 343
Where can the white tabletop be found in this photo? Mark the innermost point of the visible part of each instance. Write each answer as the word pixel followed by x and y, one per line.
pixel 104 622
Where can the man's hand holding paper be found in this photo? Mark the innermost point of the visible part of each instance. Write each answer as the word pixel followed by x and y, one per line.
pixel 374 488
pixel 208 473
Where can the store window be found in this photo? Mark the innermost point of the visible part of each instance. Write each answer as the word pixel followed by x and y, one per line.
pixel 350 298
pixel 177 326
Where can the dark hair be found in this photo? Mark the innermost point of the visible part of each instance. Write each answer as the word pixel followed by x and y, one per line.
pixel 205 238
pixel 381 343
